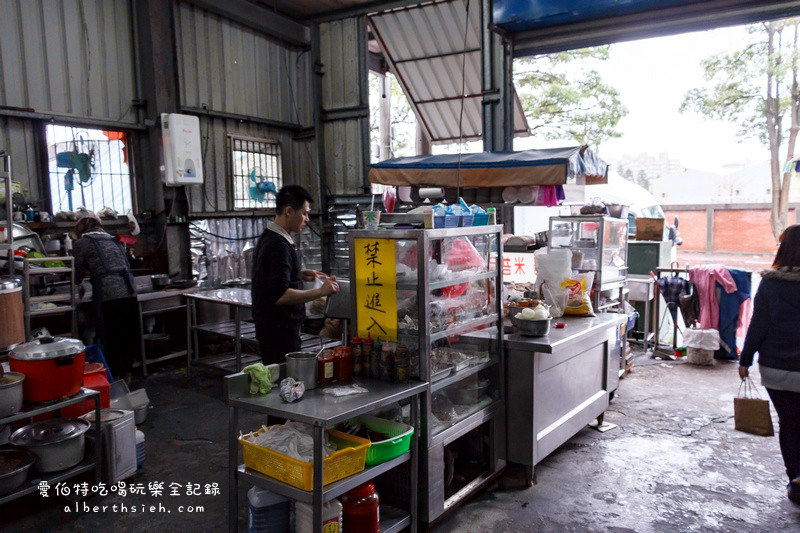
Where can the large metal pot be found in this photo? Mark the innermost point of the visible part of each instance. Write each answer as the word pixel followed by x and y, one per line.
pixel 14 467
pixel 159 281
pixel 12 327
pixel 11 393
pixel 302 366
pixel 57 444
pixel 53 367
pixel 531 328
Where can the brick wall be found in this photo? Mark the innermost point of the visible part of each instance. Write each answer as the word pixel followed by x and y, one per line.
pixel 735 230
pixel 692 225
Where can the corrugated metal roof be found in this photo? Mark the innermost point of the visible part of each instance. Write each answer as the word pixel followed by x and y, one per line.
pixel 424 47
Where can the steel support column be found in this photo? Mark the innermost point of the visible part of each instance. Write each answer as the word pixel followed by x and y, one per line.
pixel 316 76
pixel 497 83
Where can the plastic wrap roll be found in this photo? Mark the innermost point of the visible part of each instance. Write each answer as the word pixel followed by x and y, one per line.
pixel 432 193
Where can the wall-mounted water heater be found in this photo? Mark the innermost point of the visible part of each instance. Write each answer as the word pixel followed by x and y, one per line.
pixel 183 155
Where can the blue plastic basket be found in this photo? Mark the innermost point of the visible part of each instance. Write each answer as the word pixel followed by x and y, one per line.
pixel 467 220
pixel 480 219
pixel 451 221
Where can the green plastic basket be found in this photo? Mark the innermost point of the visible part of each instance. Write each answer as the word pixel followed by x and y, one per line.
pixel 386 450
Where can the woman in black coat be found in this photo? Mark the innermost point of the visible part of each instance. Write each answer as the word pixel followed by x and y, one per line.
pixel 774 333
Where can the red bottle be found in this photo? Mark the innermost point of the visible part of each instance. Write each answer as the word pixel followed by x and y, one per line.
pixel 325 364
pixel 360 512
pixel 343 367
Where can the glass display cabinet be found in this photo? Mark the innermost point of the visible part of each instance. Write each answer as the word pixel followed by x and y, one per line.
pixel 434 296
pixel 599 244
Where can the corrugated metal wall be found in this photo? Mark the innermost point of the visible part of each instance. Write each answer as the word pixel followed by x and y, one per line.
pixel 68 57
pixel 16 137
pixel 234 69
pixel 344 63
pixel 298 161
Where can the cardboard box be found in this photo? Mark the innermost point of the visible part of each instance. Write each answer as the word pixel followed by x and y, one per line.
pixel 649 229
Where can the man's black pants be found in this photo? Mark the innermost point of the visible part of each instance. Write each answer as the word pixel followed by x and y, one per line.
pixel 276 340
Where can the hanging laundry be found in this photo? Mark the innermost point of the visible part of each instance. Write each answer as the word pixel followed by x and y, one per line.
pixel 706 277
pixel 547 196
pixel 729 305
pixel 690 305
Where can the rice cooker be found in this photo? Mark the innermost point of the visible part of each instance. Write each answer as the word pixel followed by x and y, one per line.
pixel 53 367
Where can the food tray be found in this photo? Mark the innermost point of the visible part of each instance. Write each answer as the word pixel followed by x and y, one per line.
pixel 465 363
pixel 386 450
pixel 441 374
pixel 348 459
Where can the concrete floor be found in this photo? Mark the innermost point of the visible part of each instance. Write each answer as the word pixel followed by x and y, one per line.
pixel 674 463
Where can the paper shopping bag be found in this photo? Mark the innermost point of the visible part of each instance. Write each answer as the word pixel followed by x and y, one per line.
pixel 751 414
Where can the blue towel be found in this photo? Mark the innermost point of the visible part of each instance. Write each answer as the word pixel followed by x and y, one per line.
pixel 729 312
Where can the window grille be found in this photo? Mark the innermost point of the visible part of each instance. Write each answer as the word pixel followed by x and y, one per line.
pixel 255 161
pixel 88 168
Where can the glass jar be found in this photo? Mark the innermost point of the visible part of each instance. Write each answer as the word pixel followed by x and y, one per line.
pixel 375 360
pixel 325 367
pixel 344 364
pixel 387 362
pixel 367 347
pixel 355 349
pixel 401 363
pixel 360 511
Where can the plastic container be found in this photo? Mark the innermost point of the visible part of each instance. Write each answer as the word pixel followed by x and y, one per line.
pixel 267 512
pixel 375 360
pixel 480 219
pixel 331 517
pixel 355 350
pixel 139 448
pixel 367 346
pixel 361 509
pixel 386 450
pixel 348 459
pixel 467 220
pixel 452 221
pixel 343 364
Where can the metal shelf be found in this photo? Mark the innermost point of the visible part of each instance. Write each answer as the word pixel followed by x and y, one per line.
pixel 66 297
pixel 167 357
pixel 466 423
pixel 58 310
pixel 393 519
pixel 458 376
pixel 31 410
pixel 330 491
pixel 32 485
pixel 463 327
pixel 163 310
pixel 434 285
pixel 35 271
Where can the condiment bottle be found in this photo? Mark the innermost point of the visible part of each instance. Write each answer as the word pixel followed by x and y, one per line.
pixel 375 360
pixel 387 362
pixel 325 367
pixel 344 364
pixel 366 356
pixel 401 363
pixel 355 348
pixel 360 509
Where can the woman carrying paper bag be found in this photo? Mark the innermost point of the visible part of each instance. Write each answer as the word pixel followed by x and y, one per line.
pixel 775 334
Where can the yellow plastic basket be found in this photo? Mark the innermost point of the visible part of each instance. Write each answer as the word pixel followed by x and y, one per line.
pixel 348 459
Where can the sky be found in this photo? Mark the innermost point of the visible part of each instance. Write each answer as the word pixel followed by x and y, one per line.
pixel 652 76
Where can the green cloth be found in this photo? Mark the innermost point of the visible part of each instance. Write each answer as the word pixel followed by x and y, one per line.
pixel 262 377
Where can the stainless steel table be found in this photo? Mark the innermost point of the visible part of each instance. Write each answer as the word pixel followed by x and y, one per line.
pixel 559 383
pixel 321 411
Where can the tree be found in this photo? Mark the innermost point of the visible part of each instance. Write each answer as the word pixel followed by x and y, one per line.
pixel 565 99
pixel 643 179
pixel 402 118
pixel 756 87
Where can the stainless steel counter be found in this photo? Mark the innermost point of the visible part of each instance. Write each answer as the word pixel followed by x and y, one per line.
pixel 559 383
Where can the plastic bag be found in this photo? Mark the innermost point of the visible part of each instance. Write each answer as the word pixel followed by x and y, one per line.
pixel 291 390
pixel 553 267
pixel 706 339
pixel 344 390
pixel 578 288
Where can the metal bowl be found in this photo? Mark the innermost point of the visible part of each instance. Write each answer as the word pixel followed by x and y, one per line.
pixel 159 281
pixel 532 328
pixel 14 466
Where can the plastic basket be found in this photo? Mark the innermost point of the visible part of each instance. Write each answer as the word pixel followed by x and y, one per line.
pixel 480 219
pixel 348 459
pixel 386 450
pixel 452 221
pixel 466 220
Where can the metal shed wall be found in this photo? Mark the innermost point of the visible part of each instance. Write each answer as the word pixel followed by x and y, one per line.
pixel 17 138
pixel 344 103
pixel 69 57
pixel 233 69
pixel 298 167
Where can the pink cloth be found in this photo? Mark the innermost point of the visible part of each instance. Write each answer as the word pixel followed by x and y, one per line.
pixel 705 278
pixel 745 314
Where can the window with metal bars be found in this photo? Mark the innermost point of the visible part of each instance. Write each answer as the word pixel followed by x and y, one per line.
pixel 88 168
pixel 257 175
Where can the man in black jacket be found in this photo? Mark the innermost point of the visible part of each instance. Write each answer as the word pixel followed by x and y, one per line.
pixel 278 295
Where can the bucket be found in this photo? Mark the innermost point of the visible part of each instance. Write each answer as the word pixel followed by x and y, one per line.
pixel 302 366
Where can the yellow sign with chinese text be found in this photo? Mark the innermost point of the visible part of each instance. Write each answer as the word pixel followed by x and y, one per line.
pixel 376 288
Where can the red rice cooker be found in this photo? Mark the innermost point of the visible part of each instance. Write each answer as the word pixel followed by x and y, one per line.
pixel 53 367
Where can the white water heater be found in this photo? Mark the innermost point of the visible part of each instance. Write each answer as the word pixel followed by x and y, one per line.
pixel 183 155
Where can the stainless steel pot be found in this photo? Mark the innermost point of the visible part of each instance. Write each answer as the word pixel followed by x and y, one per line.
pixel 159 281
pixel 14 467
pixel 302 366
pixel 10 393
pixel 531 328
pixel 57 444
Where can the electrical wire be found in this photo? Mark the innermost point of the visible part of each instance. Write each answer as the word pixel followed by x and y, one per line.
pixel 463 98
